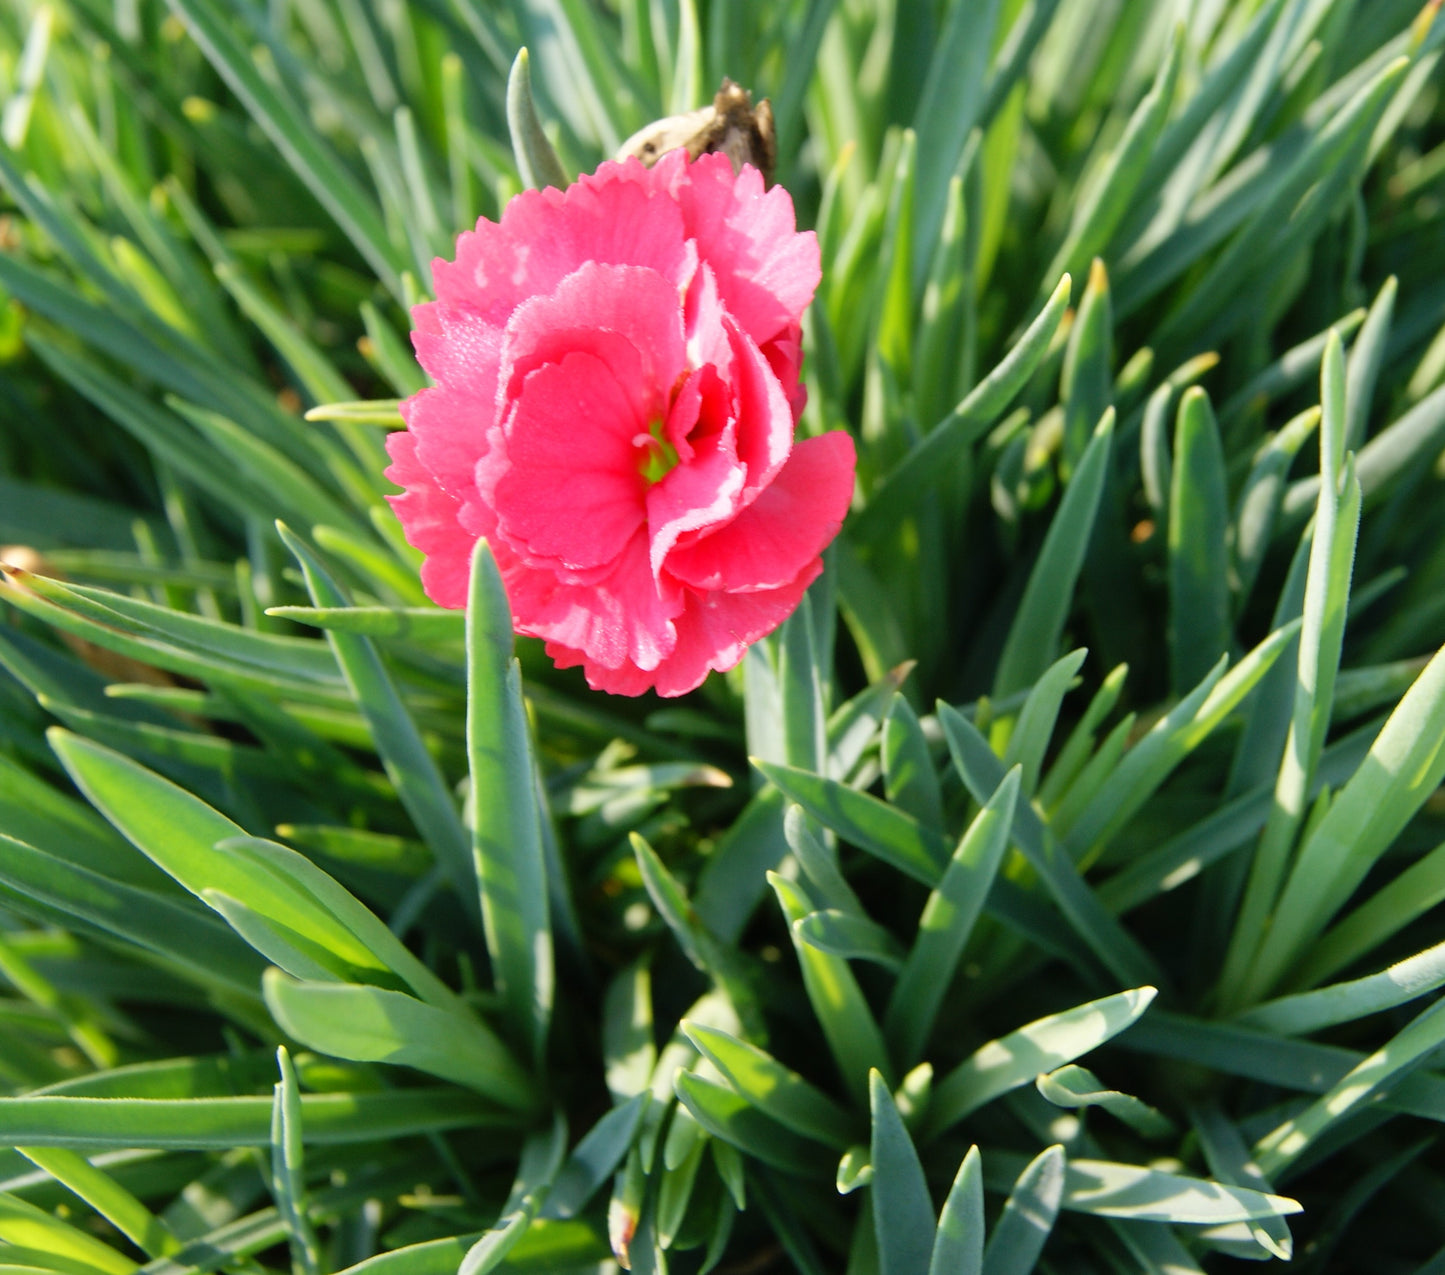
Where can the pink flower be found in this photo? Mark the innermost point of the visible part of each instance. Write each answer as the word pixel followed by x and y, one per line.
pixel 617 388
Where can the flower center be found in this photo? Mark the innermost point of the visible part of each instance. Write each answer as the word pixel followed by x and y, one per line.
pixel 656 456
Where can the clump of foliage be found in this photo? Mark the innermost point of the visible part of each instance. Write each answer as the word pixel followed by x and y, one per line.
pixel 1112 729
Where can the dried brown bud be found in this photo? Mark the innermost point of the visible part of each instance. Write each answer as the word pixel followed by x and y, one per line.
pixel 732 125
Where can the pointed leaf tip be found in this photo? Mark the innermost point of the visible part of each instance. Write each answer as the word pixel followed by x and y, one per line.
pixel 537 162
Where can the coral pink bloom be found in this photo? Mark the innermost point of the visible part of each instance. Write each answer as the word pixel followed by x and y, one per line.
pixel 616 372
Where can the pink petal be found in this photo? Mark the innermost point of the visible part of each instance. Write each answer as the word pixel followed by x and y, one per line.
pixel 611 216
pixel 429 519
pixel 623 618
pixel 783 530
pixel 700 493
pixel 708 342
pixel 784 354
pixel 621 313
pixel 572 491
pixel 764 418
pixel 460 350
pixel 767 272
pixel 717 628
pixel 450 434
pixel 626 680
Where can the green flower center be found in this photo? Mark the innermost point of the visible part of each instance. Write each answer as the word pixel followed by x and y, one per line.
pixel 658 456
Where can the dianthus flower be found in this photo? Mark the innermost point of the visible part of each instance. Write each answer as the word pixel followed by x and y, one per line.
pixel 616 370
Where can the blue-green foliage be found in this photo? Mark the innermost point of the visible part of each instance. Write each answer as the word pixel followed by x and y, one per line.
pixel 338 932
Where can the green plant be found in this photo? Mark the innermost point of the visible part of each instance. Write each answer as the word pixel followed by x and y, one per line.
pixel 1111 729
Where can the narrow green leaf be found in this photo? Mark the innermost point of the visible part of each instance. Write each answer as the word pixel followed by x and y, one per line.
pixel 947 921
pixel 1033 637
pixel 1199 627
pixel 1397 450
pixel 506 831
pixel 902 1210
pixel 894 337
pixel 106 1196
pixel 1367 356
pixel 413 772
pixel 732 1118
pixel 1174 737
pixel 379 411
pixel 223 1123
pixel 958 1244
pixel 537 162
pixel 855 1169
pixel 1259 501
pixel 853 937
pixel 774 1089
pixel 1086 380
pixel 1150 1195
pixel 1043 1045
pixel 291 132
pixel 1110 192
pixel 948 108
pixel 1403 767
pixel 594 1159
pixel 371 1024
pixel 982 772
pixel 820 864
pixel 1308 1012
pixel 976 414
pixel 26 1227
pixel 178 832
pixel 220 642
pixel 1029 739
pixel 1411 894
pixel 798 71
pixel 189 940
pixel 425 625
pixel 842 1012
pixel 1096 771
pixel 1290 370
pixel 1406 1050
pixel 1325 607
pixel 331 897
pixel 288 1169
pixel 908 772
pixel 947 308
pixel 1293 1065
pixel 864 821
pixel 800 691
pixel 541 1158
pixel 1073 1086
pixel 1229 1161
pixel 1028 1216
pixel 629 1052
pixel 1074 755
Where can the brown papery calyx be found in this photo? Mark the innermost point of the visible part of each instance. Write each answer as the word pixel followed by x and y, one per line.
pixel 731 126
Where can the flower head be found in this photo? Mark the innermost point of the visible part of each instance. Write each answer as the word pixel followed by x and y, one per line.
pixel 617 387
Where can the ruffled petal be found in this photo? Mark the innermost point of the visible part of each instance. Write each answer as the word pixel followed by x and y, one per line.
pixel 779 533
pixel 767 271
pixel 717 628
pixel 429 519
pixel 764 418
pixel 626 680
pixel 625 617
pixel 628 317
pixel 784 354
pixel 450 431
pixel 612 217
pixel 572 490
pixel 701 493
pixel 459 349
